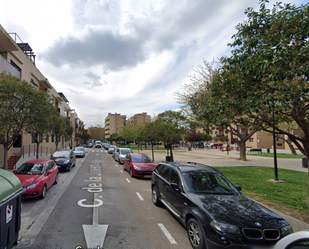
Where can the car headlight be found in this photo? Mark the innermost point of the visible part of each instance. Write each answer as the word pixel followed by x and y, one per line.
pixel 67 161
pixel 286 230
pixel 224 227
pixel 136 168
pixel 33 185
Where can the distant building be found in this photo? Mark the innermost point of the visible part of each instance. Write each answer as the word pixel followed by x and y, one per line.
pixel 139 119
pixel 114 124
pixel 96 133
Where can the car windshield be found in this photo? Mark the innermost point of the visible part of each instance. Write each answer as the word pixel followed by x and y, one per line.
pixel 31 169
pixel 79 149
pixel 141 159
pixel 207 183
pixel 61 154
pixel 125 152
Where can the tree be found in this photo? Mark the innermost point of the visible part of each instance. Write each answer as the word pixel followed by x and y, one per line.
pixel 17 103
pixel 40 123
pixel 57 127
pixel 151 133
pixel 269 59
pixel 172 125
pixel 213 101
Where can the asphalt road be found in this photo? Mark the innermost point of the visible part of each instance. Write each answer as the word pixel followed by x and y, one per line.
pixel 98 194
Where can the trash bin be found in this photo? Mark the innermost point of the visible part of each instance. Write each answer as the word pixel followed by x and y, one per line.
pixel 305 162
pixel 189 148
pixel 168 158
pixel 268 150
pixel 10 208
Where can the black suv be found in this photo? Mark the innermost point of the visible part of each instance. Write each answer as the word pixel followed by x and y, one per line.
pixel 214 212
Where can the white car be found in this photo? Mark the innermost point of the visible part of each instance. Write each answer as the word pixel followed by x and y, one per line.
pixel 297 240
pixel 79 152
pixel 121 153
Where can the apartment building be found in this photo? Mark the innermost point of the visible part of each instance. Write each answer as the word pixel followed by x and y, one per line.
pixel 260 139
pixel 18 59
pixel 139 119
pixel 114 124
pixel 96 133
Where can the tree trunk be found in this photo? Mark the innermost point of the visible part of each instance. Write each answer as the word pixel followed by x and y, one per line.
pixel 152 151
pixel 5 157
pixel 172 156
pixel 242 150
pixel 293 151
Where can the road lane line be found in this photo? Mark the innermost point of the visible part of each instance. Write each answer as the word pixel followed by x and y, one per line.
pixel 128 180
pixel 121 171
pixel 139 196
pixel 167 234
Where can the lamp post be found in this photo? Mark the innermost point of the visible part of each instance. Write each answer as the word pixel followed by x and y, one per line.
pixel 274 144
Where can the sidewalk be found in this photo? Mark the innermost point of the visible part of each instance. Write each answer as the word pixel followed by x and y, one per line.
pixel 215 157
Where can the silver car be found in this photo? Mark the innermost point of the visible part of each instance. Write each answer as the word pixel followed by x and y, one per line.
pixel 79 152
pixel 121 153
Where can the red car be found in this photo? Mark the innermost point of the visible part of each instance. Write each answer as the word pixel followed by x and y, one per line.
pixel 138 165
pixel 37 176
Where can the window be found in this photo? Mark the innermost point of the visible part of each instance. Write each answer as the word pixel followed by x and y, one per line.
pixel 251 140
pixel 174 178
pixel 163 171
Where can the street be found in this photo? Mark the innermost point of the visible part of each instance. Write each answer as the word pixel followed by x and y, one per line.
pixel 98 202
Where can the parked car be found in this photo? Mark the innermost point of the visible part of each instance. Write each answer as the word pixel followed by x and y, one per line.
pixel 90 145
pixel 138 165
pixel 65 159
pixel 225 147
pixel 214 212
pixel 111 149
pixel 121 153
pixel 79 152
pixel 106 146
pixel 37 176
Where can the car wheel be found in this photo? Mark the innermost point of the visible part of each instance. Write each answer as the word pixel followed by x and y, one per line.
pixel 124 168
pixel 57 179
pixel 155 197
pixel 43 194
pixel 195 234
pixel 131 172
pixel 70 168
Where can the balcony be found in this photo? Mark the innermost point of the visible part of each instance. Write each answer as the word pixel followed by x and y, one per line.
pixel 5 66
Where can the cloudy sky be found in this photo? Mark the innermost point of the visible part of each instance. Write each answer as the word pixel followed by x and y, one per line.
pixel 123 56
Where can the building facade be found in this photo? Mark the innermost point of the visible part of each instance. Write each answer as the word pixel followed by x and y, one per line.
pixel 114 124
pixel 18 59
pixel 139 119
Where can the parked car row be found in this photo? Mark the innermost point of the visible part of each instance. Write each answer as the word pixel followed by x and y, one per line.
pixel 38 175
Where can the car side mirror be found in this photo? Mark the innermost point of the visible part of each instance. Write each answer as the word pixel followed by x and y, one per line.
pixel 238 188
pixel 175 186
pixel 14 171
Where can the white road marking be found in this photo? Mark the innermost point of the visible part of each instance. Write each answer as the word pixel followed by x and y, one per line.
pixel 139 196
pixel 121 171
pixel 128 180
pixel 116 165
pixel 167 234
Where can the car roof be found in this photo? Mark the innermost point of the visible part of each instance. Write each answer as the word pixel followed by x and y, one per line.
pixel 189 166
pixel 138 154
pixel 38 161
